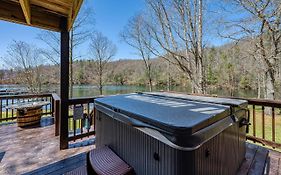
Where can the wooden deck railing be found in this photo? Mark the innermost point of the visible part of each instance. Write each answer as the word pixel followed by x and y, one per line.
pixel 83 127
pixel 77 129
pixel 56 112
pixel 265 119
pixel 265 122
pixel 7 115
pixel 265 116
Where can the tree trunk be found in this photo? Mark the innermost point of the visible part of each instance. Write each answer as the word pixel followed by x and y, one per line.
pixel 200 67
pixel 149 78
pixel 150 84
pixel 200 81
pixel 269 86
pixel 71 66
pixel 70 78
pixel 169 78
pixel 100 77
pixel 269 90
pixel 193 89
pixel 100 89
pixel 259 86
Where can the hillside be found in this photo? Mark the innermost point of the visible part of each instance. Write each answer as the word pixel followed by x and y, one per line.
pixel 223 69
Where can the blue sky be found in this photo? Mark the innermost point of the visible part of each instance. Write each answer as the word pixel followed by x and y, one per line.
pixel 110 18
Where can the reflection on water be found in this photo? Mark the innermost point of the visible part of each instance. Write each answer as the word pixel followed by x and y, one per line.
pixel 90 90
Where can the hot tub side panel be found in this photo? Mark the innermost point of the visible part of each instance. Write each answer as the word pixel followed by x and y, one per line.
pixel 148 156
pixel 221 155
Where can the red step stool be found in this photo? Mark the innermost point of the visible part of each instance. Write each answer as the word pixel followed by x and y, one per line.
pixel 105 162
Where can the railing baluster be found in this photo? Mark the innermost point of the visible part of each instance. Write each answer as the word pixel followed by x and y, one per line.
pixel 1 109
pixel 7 111
pixel 46 106
pixel 82 120
pixel 51 106
pixel 273 124
pixel 88 118
pixel 74 128
pixel 12 108
pixel 254 121
pixel 94 119
pixel 263 123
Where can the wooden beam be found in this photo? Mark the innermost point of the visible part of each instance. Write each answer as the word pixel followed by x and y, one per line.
pixel 76 5
pixel 12 12
pixel 69 19
pixel 47 21
pixel 64 84
pixel 52 6
pixel 25 6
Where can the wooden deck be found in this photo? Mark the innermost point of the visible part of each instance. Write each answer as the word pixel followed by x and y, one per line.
pixel 36 151
pixel 33 149
pixel 259 160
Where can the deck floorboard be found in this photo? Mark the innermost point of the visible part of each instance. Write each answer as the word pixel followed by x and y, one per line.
pixel 36 151
pixel 260 160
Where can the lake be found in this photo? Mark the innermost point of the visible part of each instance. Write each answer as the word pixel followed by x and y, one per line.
pixel 91 90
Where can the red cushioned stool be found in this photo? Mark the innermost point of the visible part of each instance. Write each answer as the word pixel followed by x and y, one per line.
pixel 105 162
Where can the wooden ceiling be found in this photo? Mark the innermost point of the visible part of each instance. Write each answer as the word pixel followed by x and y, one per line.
pixel 44 14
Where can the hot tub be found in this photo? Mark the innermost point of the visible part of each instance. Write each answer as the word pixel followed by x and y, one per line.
pixel 167 134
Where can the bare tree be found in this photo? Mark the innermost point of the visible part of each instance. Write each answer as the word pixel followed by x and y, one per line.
pixel 261 22
pixel 102 51
pixel 79 34
pixel 176 30
pixel 135 36
pixel 27 61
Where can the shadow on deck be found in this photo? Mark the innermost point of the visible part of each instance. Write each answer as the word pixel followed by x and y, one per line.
pixel 24 150
pixel 36 151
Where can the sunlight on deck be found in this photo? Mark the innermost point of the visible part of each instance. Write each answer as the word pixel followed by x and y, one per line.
pixel 26 150
pixel 36 151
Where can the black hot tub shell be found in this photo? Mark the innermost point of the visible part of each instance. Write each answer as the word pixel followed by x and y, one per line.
pixel 168 134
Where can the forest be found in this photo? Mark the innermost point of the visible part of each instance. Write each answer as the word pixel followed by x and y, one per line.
pixel 173 41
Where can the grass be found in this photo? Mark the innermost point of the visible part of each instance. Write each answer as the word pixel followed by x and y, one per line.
pixel 267 125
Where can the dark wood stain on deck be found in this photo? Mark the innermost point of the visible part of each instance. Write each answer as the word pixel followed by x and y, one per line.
pixel 30 149
pixel 36 151
pixel 62 166
pixel 259 160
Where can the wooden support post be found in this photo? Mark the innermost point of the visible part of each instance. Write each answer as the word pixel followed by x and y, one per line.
pixel 64 84
pixel 57 117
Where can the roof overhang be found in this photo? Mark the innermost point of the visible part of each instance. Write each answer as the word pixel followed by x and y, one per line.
pixel 46 14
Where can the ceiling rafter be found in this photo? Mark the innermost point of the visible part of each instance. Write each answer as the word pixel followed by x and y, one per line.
pixel 25 6
pixel 76 5
pixel 45 14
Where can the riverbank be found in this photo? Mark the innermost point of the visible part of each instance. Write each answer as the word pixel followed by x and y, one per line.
pixel 92 90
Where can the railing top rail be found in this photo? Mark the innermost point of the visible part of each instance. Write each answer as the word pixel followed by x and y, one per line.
pixel 25 96
pixel 82 100
pixel 251 101
pixel 260 102
pixel 56 97
pixel 264 102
